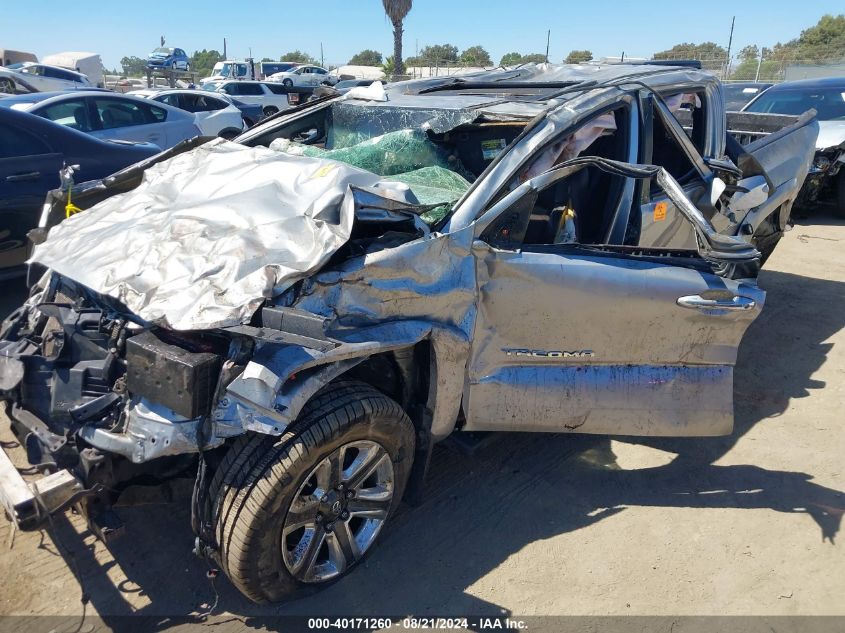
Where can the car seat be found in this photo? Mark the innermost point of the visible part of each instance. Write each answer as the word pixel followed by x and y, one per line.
pixel 80 118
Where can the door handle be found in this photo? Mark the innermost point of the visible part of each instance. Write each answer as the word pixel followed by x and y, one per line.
pixel 32 175
pixel 697 302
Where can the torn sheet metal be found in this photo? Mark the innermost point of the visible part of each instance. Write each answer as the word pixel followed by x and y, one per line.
pixel 373 92
pixel 211 233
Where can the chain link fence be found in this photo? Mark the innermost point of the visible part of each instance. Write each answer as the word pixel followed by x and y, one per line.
pixel 771 66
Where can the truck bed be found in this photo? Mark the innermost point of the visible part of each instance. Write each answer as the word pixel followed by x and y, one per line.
pixel 746 127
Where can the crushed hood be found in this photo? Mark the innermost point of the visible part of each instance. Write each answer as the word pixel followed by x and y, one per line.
pixel 209 234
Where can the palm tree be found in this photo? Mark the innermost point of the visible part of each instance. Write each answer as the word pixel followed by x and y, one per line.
pixel 396 11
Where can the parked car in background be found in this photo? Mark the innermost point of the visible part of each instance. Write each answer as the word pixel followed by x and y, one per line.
pixel 108 115
pixel 46 78
pixel 826 180
pixel 271 97
pixel 305 75
pixel 169 58
pixel 32 151
pixel 89 64
pixel 739 93
pixel 252 113
pixel 265 69
pixel 14 83
pixel 215 114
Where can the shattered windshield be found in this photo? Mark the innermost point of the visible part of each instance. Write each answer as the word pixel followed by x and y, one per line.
pixel 437 153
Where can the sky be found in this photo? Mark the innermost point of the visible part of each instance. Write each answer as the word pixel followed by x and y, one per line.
pixel 344 27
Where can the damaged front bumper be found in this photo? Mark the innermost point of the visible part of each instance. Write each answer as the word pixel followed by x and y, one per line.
pixel 29 504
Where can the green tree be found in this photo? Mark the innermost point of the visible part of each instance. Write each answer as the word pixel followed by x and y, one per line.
pixel 439 54
pixel 388 67
pixel 202 62
pixel 537 58
pixel 711 55
pixel 578 57
pixel 748 58
pixel 749 52
pixel 299 57
pixel 824 41
pixel 510 59
pixel 367 57
pixel 476 56
pixel 133 66
pixel 396 11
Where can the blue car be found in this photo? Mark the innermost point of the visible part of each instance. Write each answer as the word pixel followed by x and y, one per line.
pixel 168 58
pixel 32 151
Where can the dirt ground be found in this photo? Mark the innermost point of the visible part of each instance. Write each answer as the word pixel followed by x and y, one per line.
pixel 547 524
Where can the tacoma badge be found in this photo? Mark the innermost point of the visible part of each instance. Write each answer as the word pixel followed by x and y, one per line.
pixel 541 353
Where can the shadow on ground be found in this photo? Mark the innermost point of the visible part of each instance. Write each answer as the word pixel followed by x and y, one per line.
pixel 476 512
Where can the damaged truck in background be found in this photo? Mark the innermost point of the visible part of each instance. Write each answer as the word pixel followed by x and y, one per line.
pixel 297 317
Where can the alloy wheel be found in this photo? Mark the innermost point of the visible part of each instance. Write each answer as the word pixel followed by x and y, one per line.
pixel 338 512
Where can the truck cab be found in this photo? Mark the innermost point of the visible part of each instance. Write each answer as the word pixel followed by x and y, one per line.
pixel 229 69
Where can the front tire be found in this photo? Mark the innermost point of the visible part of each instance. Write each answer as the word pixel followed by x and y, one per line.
pixel 299 511
pixel 287 82
pixel 270 110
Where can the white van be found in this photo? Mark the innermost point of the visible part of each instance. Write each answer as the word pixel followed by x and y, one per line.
pixel 88 64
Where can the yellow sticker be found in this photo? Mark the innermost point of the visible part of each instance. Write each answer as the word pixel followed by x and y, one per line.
pixel 660 211
pixel 325 170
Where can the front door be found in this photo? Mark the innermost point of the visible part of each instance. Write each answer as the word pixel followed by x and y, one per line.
pixel 121 119
pixel 575 335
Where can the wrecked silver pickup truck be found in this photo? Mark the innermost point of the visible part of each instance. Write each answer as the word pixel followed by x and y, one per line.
pixel 297 317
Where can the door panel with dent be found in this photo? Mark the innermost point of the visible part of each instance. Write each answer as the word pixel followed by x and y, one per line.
pixel 603 339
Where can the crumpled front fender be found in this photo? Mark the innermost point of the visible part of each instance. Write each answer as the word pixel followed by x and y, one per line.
pixel 280 379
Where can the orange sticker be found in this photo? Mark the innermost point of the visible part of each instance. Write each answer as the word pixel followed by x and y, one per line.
pixel 660 211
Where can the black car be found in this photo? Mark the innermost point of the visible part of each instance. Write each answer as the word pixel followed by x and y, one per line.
pixel 252 112
pixel 826 95
pixel 32 151
pixel 739 93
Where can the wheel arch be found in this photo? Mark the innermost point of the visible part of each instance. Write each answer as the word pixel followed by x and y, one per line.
pixel 421 367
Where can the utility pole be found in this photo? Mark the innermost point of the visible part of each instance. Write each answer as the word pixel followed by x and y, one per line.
pixel 730 41
pixel 225 56
pixel 321 55
pixel 759 63
pixel 548 37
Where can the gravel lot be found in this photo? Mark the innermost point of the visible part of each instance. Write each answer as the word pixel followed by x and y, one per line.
pixel 540 524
